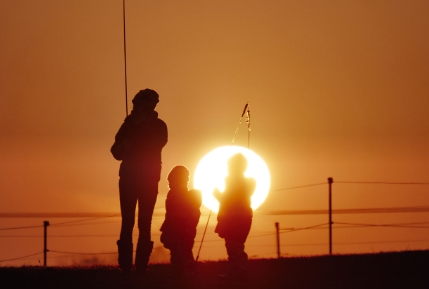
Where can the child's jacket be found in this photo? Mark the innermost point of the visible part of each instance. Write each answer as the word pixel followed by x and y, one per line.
pixel 181 217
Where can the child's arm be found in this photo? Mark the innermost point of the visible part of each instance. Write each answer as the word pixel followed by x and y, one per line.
pixel 251 185
pixel 217 194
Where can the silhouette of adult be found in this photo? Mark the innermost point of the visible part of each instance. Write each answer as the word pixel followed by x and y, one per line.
pixel 235 214
pixel 138 144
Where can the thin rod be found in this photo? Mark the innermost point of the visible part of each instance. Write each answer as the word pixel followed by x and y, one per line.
pixel 125 60
pixel 236 130
pixel 239 122
pixel 204 234
pixel 248 126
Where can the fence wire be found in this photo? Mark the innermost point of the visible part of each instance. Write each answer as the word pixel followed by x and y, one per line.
pixel 342 225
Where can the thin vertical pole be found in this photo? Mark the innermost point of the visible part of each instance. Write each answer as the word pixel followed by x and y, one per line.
pixel 330 181
pixel 248 125
pixel 204 234
pixel 45 243
pixel 125 60
pixel 278 240
pixel 202 240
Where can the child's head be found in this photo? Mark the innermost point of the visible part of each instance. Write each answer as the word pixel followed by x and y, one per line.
pixel 237 164
pixel 178 177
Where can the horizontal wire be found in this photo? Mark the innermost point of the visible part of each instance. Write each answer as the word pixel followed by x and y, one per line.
pixel 383 225
pixel 343 211
pixel 88 253
pixel 348 211
pixel 62 224
pixel 69 236
pixel 365 226
pixel 353 243
pixel 77 221
pixel 248 245
pixel 17 228
pixel 288 230
pixel 325 244
pixel 418 209
pixel 86 224
pixel 18 258
pixel 380 183
pixel 59 215
pixel 221 239
pixel 299 187
pixel 61 256
pixel 355 225
pixel 274 213
pixel 81 253
pixel 262 235
pixel 414 223
pixel 381 242
pixel 66 236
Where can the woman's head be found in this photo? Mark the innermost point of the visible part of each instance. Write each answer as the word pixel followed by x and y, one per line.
pixel 146 98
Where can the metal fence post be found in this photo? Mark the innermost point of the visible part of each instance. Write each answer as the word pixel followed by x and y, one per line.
pixel 45 243
pixel 330 181
pixel 278 239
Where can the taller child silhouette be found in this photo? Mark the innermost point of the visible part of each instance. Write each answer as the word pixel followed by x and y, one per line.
pixel 138 144
pixel 235 214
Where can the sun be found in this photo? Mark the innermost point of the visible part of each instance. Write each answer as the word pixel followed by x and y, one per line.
pixel 212 170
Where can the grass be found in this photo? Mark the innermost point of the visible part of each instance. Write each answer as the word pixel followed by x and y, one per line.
pixel 408 269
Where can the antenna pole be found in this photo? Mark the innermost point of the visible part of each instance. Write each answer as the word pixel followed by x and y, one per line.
pixel 246 111
pixel 248 124
pixel 125 59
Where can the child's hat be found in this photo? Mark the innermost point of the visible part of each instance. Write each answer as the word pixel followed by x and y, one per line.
pixel 178 173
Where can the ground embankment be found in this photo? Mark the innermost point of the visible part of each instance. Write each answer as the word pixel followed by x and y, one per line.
pixel 408 269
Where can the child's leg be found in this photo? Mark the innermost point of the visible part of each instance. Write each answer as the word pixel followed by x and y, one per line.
pixel 176 260
pixel 237 257
pixel 189 261
pixel 234 243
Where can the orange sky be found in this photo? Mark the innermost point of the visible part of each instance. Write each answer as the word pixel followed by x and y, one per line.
pixel 336 89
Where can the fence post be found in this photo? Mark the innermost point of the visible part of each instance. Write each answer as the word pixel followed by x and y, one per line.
pixel 330 181
pixel 278 240
pixel 45 241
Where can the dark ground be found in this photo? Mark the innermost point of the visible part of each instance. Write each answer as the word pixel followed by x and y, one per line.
pixel 408 269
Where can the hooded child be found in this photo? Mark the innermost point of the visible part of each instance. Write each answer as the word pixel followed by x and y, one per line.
pixel 181 219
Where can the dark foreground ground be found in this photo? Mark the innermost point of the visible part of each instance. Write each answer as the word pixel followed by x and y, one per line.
pixel 385 270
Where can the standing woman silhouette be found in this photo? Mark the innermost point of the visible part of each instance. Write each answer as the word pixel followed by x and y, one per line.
pixel 138 144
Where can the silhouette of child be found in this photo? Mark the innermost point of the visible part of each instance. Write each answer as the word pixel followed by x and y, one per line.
pixel 181 219
pixel 235 214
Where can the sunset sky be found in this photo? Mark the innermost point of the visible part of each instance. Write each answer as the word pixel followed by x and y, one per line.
pixel 336 89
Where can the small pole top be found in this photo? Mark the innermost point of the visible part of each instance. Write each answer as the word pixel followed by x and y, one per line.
pixel 330 180
pixel 46 223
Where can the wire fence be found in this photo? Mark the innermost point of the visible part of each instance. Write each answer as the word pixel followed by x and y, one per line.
pixel 100 217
